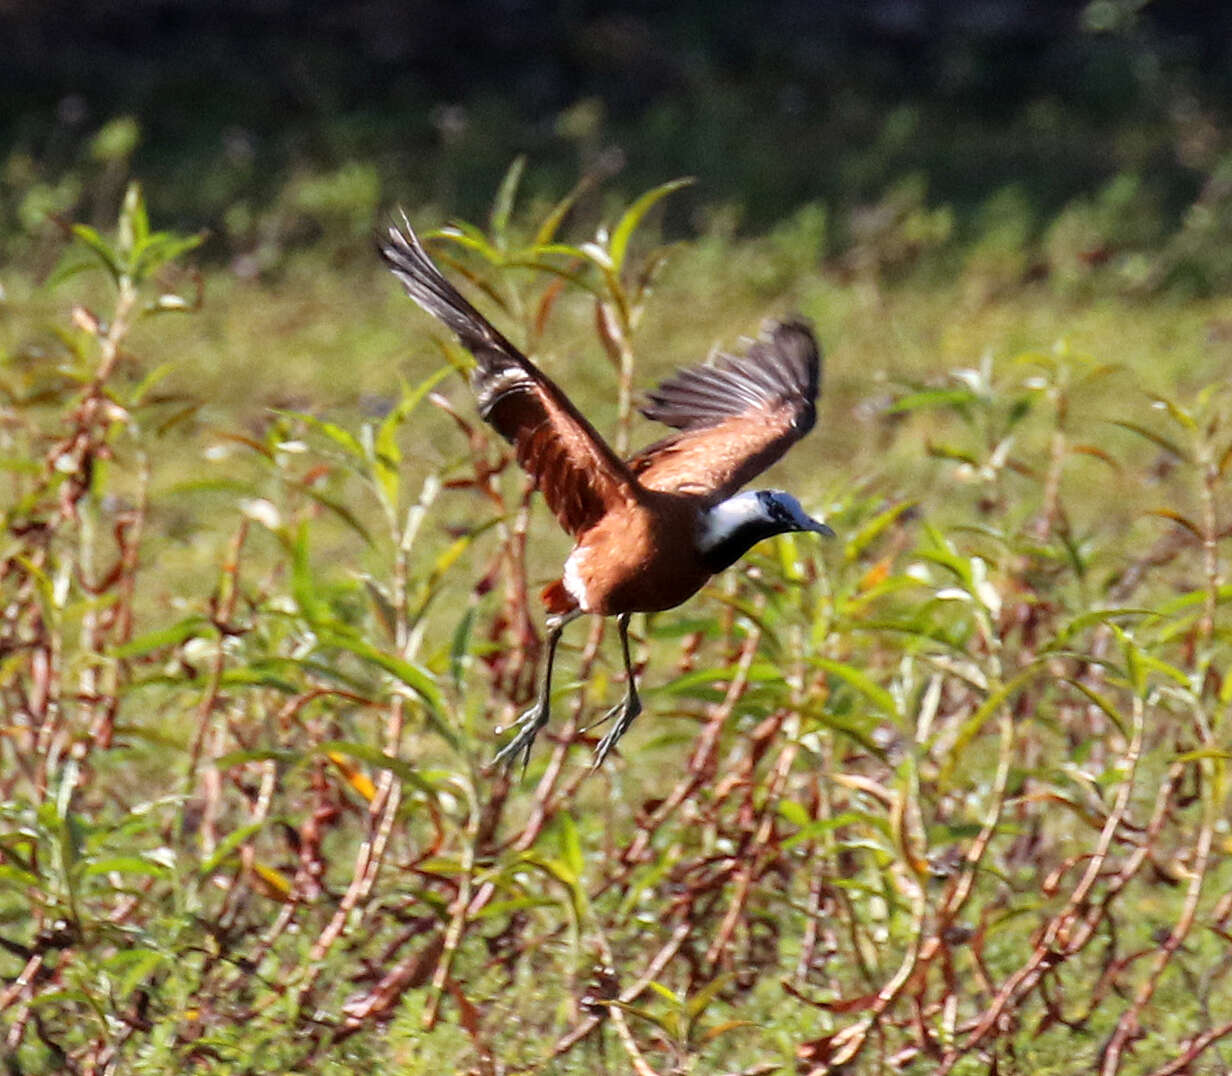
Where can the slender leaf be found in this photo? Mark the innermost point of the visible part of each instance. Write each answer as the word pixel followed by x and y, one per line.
pixel 502 207
pixel 627 225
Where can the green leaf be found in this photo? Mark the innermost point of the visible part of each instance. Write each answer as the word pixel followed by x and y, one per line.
pixel 67 269
pixel 588 252
pixel 1134 671
pixel 563 873
pixel 575 278
pixel 1156 664
pixel 459 647
pixel 259 675
pixel 571 845
pixel 859 680
pixel 971 727
pixel 552 222
pixel 188 628
pixel 502 207
pixel 1205 753
pixel 161 249
pixel 337 508
pixel 126 865
pixel 148 382
pixel 229 844
pixel 101 249
pixel 303 581
pixel 666 993
pixel 16 876
pixel 871 530
pixel 419 680
pixel 258 754
pixel 697 1005
pixel 387 455
pixel 668 1023
pixel 1100 702
pixel 469 238
pixel 134 222
pixel 346 440
pixel 915 401
pixel 1179 415
pixel 632 217
pixel 136 965
pixel 795 813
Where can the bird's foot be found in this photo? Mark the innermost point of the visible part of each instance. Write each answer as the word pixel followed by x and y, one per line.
pixel 528 726
pixel 624 712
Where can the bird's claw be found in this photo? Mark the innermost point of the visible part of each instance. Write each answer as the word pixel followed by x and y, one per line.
pixel 528 726
pixel 624 712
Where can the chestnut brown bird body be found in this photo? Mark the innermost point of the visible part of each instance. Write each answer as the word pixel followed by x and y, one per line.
pixel 649 531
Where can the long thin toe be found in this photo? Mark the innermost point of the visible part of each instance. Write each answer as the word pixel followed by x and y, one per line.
pixel 506 755
pixel 626 711
pixel 528 726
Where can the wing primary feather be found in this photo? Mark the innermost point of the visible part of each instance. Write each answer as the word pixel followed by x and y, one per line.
pixel 777 369
pixel 406 257
pixel 735 415
pixel 577 472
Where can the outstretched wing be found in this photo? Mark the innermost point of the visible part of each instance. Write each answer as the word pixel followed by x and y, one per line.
pixel 580 477
pixel 737 415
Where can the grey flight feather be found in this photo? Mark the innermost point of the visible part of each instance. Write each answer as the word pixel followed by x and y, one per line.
pixel 782 366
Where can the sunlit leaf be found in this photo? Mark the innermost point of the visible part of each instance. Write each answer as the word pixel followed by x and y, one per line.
pixel 354 776
pixel 188 628
pixel 502 207
pixel 933 398
pixel 100 248
pixel 632 217
pixel 334 749
pixel 271 882
pixel 552 222
pixel 699 1002
pixel 874 528
pixel 1179 414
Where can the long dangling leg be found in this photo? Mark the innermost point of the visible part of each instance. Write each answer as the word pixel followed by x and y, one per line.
pixel 625 711
pixel 532 720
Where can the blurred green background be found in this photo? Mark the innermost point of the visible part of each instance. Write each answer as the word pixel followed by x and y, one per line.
pixel 1080 132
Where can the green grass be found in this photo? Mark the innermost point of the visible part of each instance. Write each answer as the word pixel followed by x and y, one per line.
pixel 936 793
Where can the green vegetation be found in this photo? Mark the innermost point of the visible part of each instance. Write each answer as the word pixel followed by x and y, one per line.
pixel 949 794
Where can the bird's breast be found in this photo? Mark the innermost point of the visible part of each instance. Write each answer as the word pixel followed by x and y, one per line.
pixel 640 560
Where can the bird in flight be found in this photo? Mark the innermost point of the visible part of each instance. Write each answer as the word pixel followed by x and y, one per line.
pixel 649 531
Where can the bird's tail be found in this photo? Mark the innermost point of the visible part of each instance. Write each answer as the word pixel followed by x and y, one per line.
pixel 406 257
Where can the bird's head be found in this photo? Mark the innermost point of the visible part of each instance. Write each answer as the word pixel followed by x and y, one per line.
pixel 785 512
pixel 732 527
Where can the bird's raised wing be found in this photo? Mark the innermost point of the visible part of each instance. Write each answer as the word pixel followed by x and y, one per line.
pixel 580 477
pixel 736 415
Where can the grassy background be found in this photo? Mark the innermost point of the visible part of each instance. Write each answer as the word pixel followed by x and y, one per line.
pixel 946 794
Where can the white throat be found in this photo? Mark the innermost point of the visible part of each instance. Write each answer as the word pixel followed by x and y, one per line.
pixel 727 517
pixel 732 527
